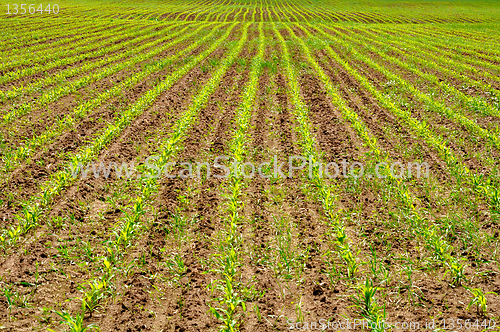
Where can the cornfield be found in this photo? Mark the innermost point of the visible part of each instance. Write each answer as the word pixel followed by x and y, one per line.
pixel 108 226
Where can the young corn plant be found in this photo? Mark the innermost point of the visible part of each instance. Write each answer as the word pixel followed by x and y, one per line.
pixel 99 288
pixel 15 299
pixel 346 254
pixel 230 299
pixel 75 323
pixel 367 304
pixel 289 262
pixel 478 299
pixel 176 266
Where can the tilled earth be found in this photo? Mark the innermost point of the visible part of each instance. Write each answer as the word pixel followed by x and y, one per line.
pixel 291 272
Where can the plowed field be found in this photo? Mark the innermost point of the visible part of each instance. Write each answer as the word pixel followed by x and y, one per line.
pixel 250 166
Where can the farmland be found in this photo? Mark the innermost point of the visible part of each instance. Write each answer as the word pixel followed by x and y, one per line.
pixel 145 86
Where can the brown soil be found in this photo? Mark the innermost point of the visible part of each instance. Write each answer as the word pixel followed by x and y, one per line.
pixel 185 219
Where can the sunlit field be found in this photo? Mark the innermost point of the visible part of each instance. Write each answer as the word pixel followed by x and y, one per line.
pixel 250 165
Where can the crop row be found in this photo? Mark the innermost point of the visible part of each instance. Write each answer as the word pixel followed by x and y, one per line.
pixel 85 43
pixel 70 87
pixel 14 158
pixel 57 39
pixel 227 258
pixel 63 178
pixel 170 146
pixel 456 115
pixel 316 45
pixel 485 48
pixel 72 71
pixel 267 11
pixel 56 60
pixel 452 50
pixel 428 232
pixel 445 65
pixel 31 31
pixel 327 193
pixel 482 186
